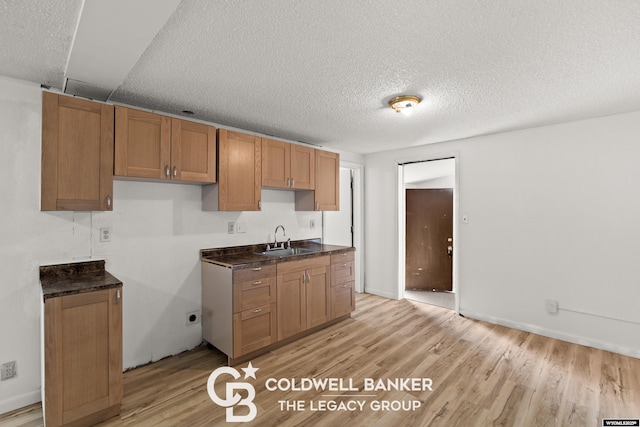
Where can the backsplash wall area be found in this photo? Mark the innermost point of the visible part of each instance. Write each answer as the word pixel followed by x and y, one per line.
pixel 157 230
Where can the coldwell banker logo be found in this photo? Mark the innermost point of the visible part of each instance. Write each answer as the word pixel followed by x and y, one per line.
pixel 232 398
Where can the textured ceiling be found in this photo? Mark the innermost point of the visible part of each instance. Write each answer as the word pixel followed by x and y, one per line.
pixel 322 72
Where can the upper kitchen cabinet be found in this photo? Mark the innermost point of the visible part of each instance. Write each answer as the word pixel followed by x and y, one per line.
pixel 326 196
pixel 153 146
pixel 239 174
pixel 289 166
pixel 77 154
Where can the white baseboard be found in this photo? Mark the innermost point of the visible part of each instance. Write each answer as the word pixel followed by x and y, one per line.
pixel 21 401
pixel 380 293
pixel 575 339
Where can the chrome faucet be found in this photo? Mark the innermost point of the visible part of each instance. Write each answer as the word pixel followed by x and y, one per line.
pixel 275 236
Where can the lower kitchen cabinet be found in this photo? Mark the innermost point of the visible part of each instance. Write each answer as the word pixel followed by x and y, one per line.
pixel 343 298
pixel 303 297
pixel 253 329
pixel 250 309
pixel 83 357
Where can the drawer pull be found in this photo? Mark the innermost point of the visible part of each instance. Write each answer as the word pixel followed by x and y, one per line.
pixel 257 282
pixel 344 265
pixel 256 269
pixel 257 310
pixel 345 285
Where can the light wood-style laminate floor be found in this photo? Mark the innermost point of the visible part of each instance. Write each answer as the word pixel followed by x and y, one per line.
pixel 483 375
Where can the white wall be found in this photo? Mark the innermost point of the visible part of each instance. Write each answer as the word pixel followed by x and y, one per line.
pixel 553 214
pixel 157 232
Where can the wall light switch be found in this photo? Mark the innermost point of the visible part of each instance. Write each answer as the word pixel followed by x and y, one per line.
pixel 231 227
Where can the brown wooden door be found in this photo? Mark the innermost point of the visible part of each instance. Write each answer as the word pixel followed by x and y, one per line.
pixel 83 357
pixel 143 144
pixel 193 151
pixel 429 230
pixel 291 304
pixel 77 154
pixel 239 171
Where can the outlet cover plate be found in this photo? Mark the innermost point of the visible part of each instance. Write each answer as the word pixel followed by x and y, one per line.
pixel 8 371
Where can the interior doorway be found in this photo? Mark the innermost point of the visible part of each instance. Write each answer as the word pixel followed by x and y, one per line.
pixel 345 227
pixel 427 212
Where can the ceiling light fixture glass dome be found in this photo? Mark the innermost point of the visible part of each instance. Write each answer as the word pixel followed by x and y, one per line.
pixel 404 103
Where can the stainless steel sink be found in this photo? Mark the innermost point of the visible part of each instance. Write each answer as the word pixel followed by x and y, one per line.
pixel 287 252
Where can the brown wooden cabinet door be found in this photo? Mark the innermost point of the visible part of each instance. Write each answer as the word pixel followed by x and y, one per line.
pixel 276 163
pixel 303 167
pixel 318 297
pixel 239 171
pixel 193 151
pixel 253 329
pixel 343 299
pixel 77 154
pixel 327 192
pixel 291 304
pixel 83 357
pixel 143 144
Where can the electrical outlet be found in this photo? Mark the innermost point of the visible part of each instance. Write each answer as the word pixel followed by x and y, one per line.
pixel 231 227
pixel 551 306
pixel 8 370
pixel 312 224
pixel 105 234
pixel 193 318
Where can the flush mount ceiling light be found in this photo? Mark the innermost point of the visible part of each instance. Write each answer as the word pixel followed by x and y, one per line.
pixel 404 103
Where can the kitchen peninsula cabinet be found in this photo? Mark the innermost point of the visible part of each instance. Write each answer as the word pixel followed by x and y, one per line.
pixel 82 344
pixel 153 146
pixel 326 196
pixel 77 154
pixel 287 166
pixel 239 174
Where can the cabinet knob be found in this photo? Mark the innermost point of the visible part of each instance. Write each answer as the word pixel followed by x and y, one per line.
pixel 288 182
pixel 118 296
pixel 259 204
pixel 108 202
pixel 257 310
pixel 344 265
pixel 256 269
pixel 175 171
pixel 293 182
pixel 257 282
pixel 166 171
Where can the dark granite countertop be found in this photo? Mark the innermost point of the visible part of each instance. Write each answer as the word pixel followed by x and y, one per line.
pixel 238 257
pixel 75 278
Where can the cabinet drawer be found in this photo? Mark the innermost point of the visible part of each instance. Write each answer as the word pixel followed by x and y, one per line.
pixel 254 329
pixel 342 273
pixel 254 273
pixel 343 299
pixel 255 293
pixel 342 257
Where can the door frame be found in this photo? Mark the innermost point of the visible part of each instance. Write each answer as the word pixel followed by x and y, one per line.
pixel 357 194
pixel 401 219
